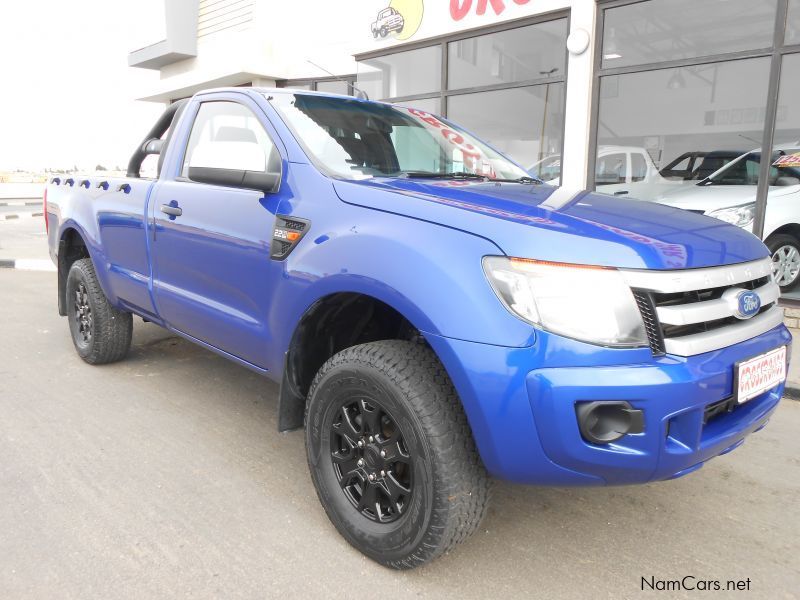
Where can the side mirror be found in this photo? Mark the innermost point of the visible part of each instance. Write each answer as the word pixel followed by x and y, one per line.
pixel 249 180
pixel 236 164
pixel 153 146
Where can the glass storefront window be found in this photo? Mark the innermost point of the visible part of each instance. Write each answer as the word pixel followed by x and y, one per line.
pixel 520 54
pixel 524 123
pixel 402 73
pixel 334 87
pixel 661 30
pixel 793 23
pixel 782 217
pixel 431 105
pixel 662 132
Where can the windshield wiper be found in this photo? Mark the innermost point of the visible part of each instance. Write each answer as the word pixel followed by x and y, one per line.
pixel 449 175
pixel 523 179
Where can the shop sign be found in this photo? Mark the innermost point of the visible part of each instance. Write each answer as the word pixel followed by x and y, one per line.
pixel 396 21
pixel 461 8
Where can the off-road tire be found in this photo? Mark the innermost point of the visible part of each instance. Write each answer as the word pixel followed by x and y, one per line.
pixel 450 488
pixel 111 329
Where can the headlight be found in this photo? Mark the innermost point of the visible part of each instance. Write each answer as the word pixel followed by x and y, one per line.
pixel 741 216
pixel 592 304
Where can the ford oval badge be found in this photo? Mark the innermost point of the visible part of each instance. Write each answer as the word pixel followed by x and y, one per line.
pixel 748 304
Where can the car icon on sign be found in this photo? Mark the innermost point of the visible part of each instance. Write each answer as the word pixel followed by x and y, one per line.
pixel 388 20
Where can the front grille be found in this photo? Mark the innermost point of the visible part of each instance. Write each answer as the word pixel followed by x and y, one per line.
pixel 690 297
pixel 676 331
pixel 654 334
pixel 688 312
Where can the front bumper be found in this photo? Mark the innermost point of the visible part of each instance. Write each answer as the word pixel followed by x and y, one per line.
pixel 521 405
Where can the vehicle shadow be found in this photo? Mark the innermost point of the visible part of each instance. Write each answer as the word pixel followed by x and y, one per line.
pixel 726 521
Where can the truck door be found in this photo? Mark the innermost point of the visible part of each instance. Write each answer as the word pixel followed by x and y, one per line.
pixel 212 273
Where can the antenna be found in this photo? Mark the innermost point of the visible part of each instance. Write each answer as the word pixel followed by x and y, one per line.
pixel 360 94
pixel 749 139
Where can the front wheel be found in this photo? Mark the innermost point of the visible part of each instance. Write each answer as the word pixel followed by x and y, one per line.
pixel 101 333
pixel 391 454
pixel 785 251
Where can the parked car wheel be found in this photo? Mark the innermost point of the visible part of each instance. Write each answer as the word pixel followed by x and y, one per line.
pixel 391 453
pixel 375 33
pixel 785 250
pixel 101 333
pixel 384 32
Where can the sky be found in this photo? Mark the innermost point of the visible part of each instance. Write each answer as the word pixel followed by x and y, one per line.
pixel 67 95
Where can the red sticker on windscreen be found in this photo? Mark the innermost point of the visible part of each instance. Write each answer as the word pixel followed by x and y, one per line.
pixel 788 160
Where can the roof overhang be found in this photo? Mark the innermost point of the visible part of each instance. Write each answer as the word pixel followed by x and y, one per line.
pixel 181 37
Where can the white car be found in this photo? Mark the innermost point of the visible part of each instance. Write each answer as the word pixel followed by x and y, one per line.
pixel 620 170
pixel 729 194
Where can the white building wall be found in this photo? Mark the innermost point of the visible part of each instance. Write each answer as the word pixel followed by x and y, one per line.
pixel 252 41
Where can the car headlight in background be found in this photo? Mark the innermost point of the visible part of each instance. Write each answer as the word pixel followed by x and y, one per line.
pixel 587 303
pixel 741 216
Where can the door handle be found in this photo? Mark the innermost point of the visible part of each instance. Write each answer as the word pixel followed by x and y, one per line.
pixel 621 193
pixel 172 211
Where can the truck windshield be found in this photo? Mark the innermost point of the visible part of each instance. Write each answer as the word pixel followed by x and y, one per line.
pixel 354 139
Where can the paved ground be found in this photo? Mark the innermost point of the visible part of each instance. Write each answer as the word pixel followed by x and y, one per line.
pixel 164 477
pixel 23 238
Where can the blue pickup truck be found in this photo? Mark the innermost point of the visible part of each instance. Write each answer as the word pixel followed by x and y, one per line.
pixel 434 316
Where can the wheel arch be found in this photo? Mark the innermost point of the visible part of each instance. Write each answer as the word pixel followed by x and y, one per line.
pixel 792 229
pixel 72 246
pixel 332 323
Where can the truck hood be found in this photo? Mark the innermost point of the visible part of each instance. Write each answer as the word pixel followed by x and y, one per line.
pixel 708 198
pixel 561 225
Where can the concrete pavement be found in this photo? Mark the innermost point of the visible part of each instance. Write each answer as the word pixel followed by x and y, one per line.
pixel 24 240
pixel 163 476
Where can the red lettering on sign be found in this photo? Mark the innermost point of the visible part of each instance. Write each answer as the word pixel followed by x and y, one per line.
pixel 497 5
pixel 460 8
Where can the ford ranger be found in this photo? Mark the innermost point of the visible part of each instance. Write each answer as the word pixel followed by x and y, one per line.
pixel 435 317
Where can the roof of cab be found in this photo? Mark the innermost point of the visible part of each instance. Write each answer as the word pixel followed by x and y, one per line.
pixel 275 90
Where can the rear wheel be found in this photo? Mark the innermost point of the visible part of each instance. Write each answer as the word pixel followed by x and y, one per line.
pixel 391 454
pixel 101 333
pixel 785 250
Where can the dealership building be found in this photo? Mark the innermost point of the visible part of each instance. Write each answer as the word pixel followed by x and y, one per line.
pixel 634 97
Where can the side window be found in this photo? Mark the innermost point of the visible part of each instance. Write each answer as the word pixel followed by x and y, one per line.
pixel 638 167
pixel 227 135
pixel 611 169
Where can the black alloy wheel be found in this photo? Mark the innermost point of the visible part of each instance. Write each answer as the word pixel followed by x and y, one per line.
pixel 371 460
pixel 83 315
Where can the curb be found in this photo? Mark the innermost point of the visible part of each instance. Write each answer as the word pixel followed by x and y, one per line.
pixel 24 215
pixel 20 202
pixel 28 264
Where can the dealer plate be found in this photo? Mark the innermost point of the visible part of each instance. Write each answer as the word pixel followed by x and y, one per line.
pixel 756 375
